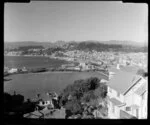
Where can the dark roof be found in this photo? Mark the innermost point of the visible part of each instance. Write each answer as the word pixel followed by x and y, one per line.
pixel 44 97
pixel 125 115
pixel 122 81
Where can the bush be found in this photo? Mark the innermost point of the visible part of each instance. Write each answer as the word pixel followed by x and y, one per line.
pixel 101 91
pixel 93 83
pixel 141 72
pixel 74 107
pixel 87 91
pixel 88 96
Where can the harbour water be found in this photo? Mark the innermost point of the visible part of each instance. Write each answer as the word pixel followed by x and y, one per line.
pixel 32 62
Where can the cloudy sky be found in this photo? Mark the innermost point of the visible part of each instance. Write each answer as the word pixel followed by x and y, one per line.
pixel 75 20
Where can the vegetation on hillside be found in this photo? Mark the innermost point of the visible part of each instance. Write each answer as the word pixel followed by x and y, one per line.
pixel 80 98
pixel 25 48
pixel 90 91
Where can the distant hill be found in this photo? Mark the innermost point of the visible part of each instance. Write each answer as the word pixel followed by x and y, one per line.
pixel 125 46
pixel 132 43
pixel 118 42
pixel 112 45
pixel 12 45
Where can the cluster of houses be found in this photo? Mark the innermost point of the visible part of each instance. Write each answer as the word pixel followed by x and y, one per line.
pixel 127 95
pixel 14 70
pixel 47 107
pixel 83 66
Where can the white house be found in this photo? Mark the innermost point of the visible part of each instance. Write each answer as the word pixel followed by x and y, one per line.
pixel 46 100
pixel 45 103
pixel 13 70
pixel 136 98
pixel 83 65
pixel 127 95
pixel 115 101
pixel 24 69
pixel 104 81
pixel 111 74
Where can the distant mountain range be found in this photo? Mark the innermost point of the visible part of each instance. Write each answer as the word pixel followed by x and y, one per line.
pixel 84 45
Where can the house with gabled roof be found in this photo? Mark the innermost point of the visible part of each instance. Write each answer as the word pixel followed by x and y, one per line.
pixel 126 92
pixel 136 98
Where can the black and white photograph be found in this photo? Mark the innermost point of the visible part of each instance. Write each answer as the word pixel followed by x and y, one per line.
pixel 75 60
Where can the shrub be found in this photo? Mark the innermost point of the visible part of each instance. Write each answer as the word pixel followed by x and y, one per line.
pixel 101 91
pixel 74 107
pixel 88 96
pixel 87 91
pixel 141 72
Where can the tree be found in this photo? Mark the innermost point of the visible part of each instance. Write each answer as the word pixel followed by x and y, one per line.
pixel 101 91
pixel 87 97
pixel 74 107
pixel 87 91
pixel 38 96
pixel 93 83
pixel 141 72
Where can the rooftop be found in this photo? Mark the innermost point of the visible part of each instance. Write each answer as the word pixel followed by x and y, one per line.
pixel 122 81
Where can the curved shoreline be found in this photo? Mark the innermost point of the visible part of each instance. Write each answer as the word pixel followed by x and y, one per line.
pixel 54 70
pixel 47 56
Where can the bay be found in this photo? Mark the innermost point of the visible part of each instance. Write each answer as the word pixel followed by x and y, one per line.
pixel 32 83
pixel 32 62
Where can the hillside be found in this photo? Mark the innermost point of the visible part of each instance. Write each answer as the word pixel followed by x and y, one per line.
pixel 12 45
pixel 107 46
pixel 113 45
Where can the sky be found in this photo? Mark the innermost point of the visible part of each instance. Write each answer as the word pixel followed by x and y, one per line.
pixel 75 21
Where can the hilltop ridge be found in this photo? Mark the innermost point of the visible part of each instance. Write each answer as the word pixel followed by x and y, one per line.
pixel 112 45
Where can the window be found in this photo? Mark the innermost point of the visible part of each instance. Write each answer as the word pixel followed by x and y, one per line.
pixel 128 108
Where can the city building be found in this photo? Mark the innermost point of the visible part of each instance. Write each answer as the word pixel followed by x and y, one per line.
pixel 83 66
